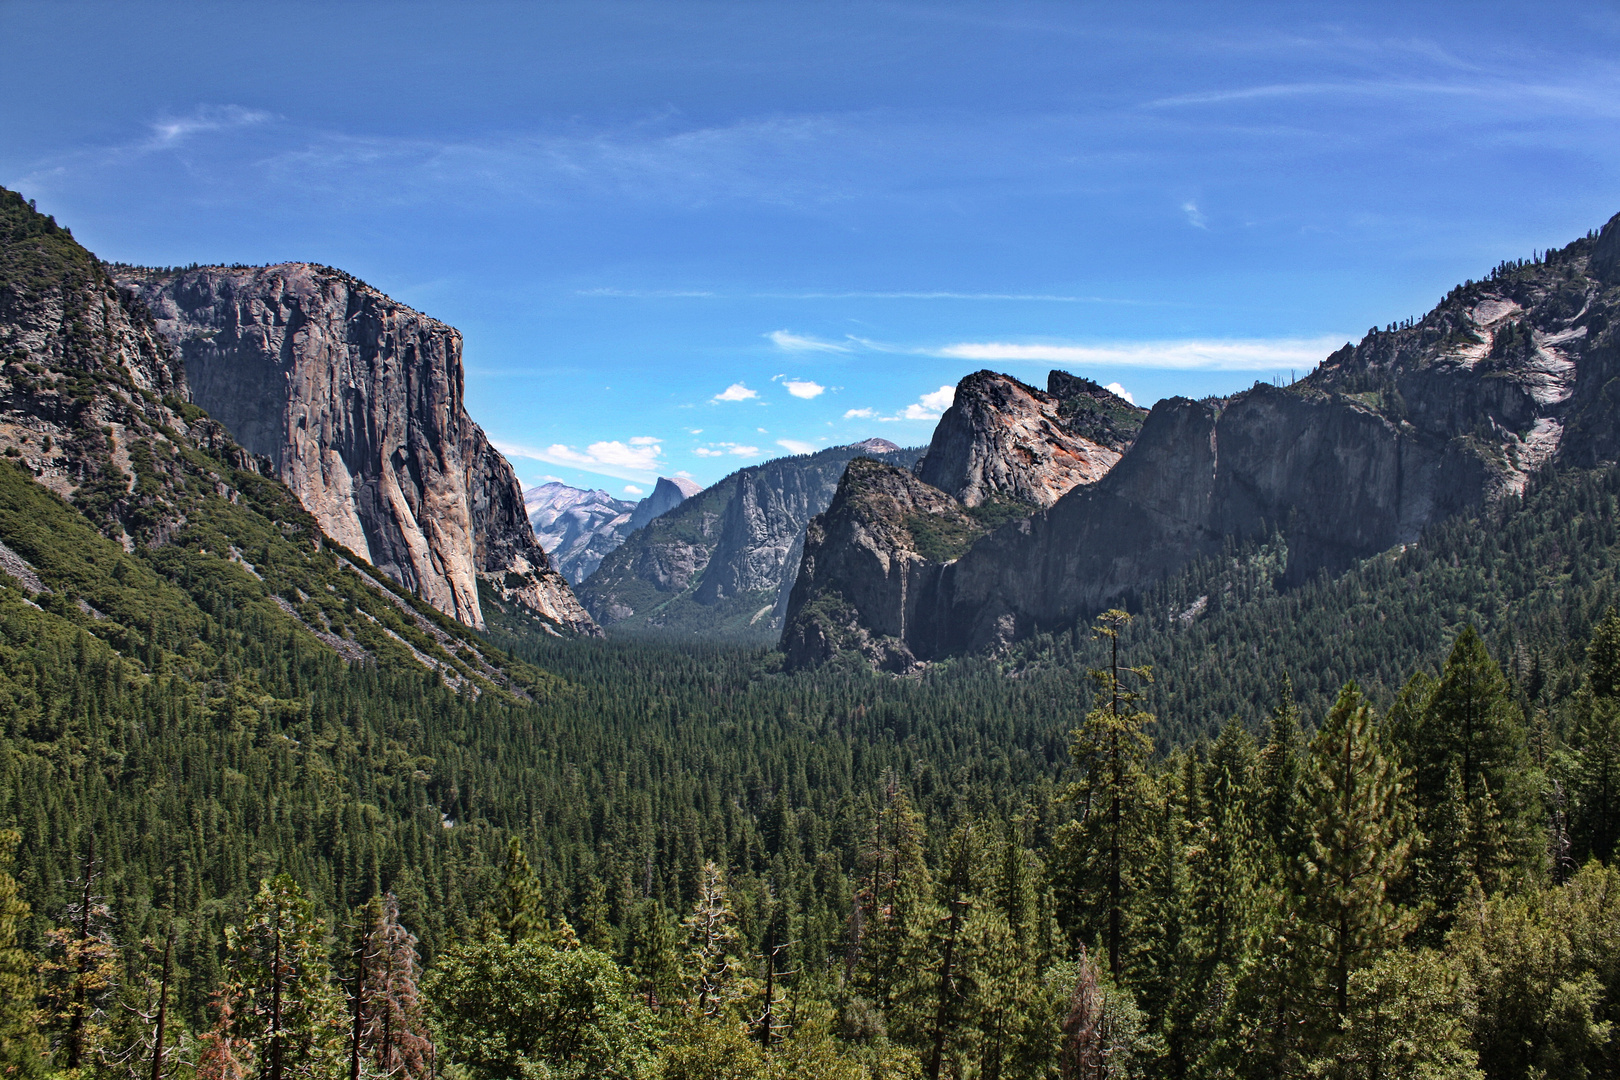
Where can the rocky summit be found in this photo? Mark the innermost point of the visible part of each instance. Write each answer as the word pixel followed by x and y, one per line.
pixel 1418 422
pixel 357 402
pixel 1003 440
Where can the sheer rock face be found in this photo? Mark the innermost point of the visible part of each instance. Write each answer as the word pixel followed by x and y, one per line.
pixel 666 495
pixel 1004 440
pixel 358 402
pixel 863 584
pixel 1416 423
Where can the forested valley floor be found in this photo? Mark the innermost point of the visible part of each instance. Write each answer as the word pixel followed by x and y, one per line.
pixel 1360 828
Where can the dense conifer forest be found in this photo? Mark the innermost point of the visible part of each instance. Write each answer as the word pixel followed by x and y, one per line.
pixel 1359 828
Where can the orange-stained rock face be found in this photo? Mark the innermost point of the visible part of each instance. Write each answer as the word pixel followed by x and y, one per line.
pixel 357 400
pixel 1004 440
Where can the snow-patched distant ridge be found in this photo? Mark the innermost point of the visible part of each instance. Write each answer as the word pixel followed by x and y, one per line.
pixel 578 527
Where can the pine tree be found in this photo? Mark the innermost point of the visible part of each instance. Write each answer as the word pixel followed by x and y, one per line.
pixel 392 1035
pixel 1225 878
pixel 282 1006
pixel 1109 750
pixel 20 1043
pixel 1472 722
pixel 81 974
pixel 1358 836
pixel 1280 767
pixel 520 909
pixel 890 917
pixel 650 955
pixel 711 966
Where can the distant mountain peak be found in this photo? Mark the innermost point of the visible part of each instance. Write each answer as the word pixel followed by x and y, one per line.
pixel 875 445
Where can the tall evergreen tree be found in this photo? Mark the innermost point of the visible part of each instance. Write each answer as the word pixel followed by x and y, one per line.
pixel 712 965
pixel 1109 750
pixel 1281 763
pixel 20 1043
pixel 1472 722
pixel 1359 834
pixel 392 1033
pixel 521 911
pixel 283 1008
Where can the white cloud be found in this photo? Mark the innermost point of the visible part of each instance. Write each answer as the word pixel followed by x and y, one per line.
pixel 804 388
pixel 735 392
pixel 930 405
pixel 742 451
pixel 800 343
pixel 1195 217
pixel 704 451
pixel 796 446
pixel 171 131
pixel 631 489
pixel 1260 354
pixel 1115 388
pixel 637 460
pixel 863 414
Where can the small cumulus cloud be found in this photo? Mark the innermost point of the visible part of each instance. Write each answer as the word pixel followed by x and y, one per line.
pixel 860 414
pixel 631 489
pixel 742 451
pixel 735 392
pixel 1195 217
pixel 1116 389
pixel 930 405
pixel 796 446
pixel 788 342
pixel 804 388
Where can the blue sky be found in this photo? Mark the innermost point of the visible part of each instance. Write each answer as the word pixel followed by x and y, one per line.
pixel 684 237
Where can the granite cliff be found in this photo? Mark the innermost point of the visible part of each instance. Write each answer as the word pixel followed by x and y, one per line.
pixel 1417 422
pixel 357 402
pixel 720 564
pixel 129 513
pixel 666 495
pixel 1003 440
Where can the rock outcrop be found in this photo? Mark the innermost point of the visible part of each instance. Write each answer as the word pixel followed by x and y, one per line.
pixel 1416 423
pixel 357 402
pixel 667 494
pixel 576 527
pixel 721 564
pixel 1003 440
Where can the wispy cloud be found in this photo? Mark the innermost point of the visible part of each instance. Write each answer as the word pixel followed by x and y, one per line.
pixel 1263 354
pixel 171 130
pixel 782 339
pixel 861 414
pixel 637 459
pixel 797 446
pixel 735 392
pixel 1195 217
